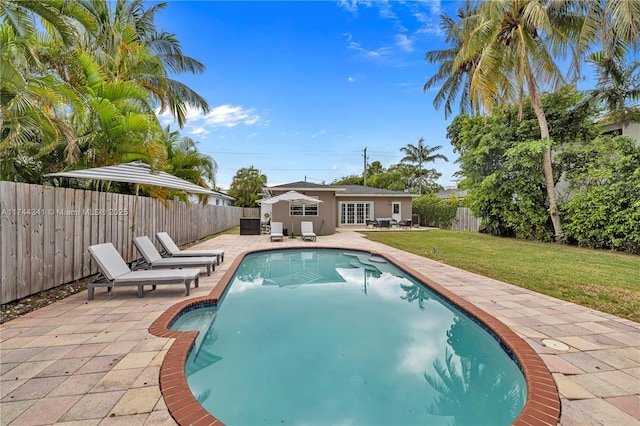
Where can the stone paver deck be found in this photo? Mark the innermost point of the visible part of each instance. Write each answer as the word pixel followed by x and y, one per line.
pixel 95 363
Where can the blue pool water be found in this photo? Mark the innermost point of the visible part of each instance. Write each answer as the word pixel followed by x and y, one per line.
pixel 328 337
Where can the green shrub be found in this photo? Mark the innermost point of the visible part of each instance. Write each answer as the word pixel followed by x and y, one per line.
pixel 434 211
pixel 606 217
pixel 605 213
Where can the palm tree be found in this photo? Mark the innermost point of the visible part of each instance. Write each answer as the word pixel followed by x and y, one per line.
pixel 617 83
pixel 128 45
pixel 451 79
pixel 118 124
pixel 34 106
pixel 185 161
pixel 614 25
pixel 420 155
pixel 79 85
pixel 247 186
pixel 514 42
pixel 57 18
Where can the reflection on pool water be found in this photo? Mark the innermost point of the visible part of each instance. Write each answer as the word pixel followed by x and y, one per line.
pixel 322 337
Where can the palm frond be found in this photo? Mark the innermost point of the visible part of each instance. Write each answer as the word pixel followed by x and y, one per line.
pixel 626 15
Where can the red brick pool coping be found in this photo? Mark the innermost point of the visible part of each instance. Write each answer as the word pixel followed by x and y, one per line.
pixel 542 406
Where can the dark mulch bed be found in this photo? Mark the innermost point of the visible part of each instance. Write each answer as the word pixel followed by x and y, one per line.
pixel 17 308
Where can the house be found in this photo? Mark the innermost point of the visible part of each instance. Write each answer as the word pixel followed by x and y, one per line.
pixel 341 206
pixel 631 129
pixel 216 199
pixel 221 199
pixel 451 192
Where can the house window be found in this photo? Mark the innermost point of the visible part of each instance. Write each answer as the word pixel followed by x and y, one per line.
pixel 355 213
pixel 303 209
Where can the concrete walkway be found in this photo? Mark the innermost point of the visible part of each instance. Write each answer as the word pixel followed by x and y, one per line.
pixel 87 363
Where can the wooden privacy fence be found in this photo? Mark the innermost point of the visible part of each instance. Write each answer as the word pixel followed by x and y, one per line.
pixel 45 231
pixel 465 221
pixel 250 212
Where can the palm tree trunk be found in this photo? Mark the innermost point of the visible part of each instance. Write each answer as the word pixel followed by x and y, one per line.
pixel 546 162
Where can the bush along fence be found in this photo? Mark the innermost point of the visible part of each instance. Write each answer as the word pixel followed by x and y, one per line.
pixel 45 231
pixel 445 214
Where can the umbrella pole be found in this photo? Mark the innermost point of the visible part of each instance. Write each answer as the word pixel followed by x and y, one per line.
pixel 133 224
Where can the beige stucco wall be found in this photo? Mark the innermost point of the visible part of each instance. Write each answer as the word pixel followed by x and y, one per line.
pixel 328 215
pixel 632 129
pixel 382 205
pixel 324 223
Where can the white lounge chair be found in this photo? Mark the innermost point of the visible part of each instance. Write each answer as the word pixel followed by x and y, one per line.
pixel 115 272
pixel 153 259
pixel 306 228
pixel 276 231
pixel 172 250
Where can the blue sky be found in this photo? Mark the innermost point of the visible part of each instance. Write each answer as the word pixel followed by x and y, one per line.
pixel 299 89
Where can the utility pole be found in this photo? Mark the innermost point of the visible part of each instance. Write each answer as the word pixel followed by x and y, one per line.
pixel 364 171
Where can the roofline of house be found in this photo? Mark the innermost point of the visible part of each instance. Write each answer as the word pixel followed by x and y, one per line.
pixel 403 195
pixel 300 189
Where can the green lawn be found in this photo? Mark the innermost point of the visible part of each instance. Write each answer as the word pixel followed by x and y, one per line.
pixel 603 280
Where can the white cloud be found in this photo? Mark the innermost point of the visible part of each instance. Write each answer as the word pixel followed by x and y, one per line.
pixel 425 12
pixel 434 5
pixel 164 117
pixel 404 42
pixel 351 79
pixel 352 5
pixel 385 10
pixel 231 116
pixel 334 167
pixel 225 115
pixel 200 131
pixel 430 21
pixel 371 54
pixel 320 133
pixel 252 135
pixel 192 113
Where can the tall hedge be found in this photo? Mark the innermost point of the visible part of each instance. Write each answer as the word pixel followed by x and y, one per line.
pixel 434 211
pixel 605 212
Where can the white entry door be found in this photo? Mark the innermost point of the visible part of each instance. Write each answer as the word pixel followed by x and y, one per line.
pixel 396 213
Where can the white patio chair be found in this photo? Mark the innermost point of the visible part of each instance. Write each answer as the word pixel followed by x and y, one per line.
pixel 171 249
pixel 114 272
pixel 153 259
pixel 276 231
pixel 306 228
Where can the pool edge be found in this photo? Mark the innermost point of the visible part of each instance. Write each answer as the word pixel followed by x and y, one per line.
pixel 542 406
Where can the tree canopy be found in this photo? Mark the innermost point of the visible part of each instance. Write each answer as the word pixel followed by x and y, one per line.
pixel 80 83
pixel 247 186
pixel 505 52
pixel 500 161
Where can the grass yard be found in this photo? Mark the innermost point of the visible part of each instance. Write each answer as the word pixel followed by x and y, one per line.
pixel 603 280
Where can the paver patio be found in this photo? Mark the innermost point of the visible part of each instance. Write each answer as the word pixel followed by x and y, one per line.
pixel 94 362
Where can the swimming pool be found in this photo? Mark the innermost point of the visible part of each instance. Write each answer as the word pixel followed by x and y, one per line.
pixel 344 337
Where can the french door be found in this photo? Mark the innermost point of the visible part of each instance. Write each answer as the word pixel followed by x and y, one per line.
pixel 355 212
